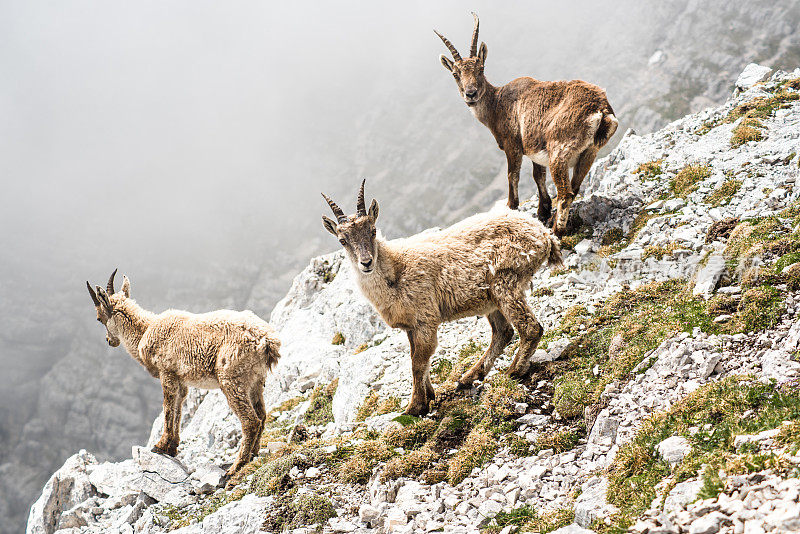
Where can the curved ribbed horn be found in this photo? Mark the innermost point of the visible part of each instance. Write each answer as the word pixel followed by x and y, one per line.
pixel 110 285
pixel 340 216
pixel 92 294
pixel 449 46
pixel 473 49
pixel 361 207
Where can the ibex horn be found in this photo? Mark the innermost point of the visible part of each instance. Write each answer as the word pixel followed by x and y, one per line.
pixel 110 285
pixel 473 50
pixel 92 294
pixel 361 207
pixel 340 216
pixel 449 46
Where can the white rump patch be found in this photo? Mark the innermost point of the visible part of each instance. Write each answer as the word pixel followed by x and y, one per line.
pixel 594 121
pixel 540 158
pixel 204 383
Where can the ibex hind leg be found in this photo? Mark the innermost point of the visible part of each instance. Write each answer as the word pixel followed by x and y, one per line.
pixel 545 203
pixel 502 332
pixel 257 400
pixel 512 304
pixel 560 172
pixel 582 167
pixel 238 397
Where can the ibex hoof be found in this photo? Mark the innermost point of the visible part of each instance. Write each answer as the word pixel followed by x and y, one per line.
pixel 519 373
pixel 416 411
pixel 166 452
pixel 543 215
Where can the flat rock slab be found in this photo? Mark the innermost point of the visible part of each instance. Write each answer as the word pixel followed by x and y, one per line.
pixel 167 468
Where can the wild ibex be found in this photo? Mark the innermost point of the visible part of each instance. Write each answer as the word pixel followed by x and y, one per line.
pixel 560 125
pixel 480 266
pixel 223 349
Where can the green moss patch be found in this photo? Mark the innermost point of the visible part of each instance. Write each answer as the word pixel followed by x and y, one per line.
pixel 570 395
pixel 300 510
pixel 760 308
pixel 650 170
pixel 766 106
pixel 639 320
pixel 527 519
pixel 709 418
pixel 320 411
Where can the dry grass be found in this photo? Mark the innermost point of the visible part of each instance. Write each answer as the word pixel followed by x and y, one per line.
pixel 479 446
pixel 688 179
pixel 724 193
pixel 746 131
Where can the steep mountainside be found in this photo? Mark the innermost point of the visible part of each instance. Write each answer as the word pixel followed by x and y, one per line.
pixel 664 399
pixel 418 145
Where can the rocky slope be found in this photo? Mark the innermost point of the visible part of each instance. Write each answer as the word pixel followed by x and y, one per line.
pixel 671 59
pixel 665 397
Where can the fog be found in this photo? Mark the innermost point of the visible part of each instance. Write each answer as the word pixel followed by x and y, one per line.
pixel 187 142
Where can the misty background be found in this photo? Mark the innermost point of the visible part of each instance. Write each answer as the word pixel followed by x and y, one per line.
pixel 187 142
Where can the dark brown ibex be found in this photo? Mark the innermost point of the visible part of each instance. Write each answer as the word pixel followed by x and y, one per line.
pixel 560 125
pixel 480 266
pixel 224 349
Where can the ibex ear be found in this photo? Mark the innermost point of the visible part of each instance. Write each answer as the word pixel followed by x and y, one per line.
pixel 447 62
pixel 482 52
pixel 126 287
pixel 329 225
pixel 373 210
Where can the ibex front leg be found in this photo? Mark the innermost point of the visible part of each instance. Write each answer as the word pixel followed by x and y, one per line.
pixel 514 158
pixel 168 443
pixel 423 344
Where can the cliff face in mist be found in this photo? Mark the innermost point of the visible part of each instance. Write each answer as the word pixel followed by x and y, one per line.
pixel 434 164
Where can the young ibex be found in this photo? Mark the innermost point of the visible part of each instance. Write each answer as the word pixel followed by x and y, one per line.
pixel 480 266
pixel 560 125
pixel 223 349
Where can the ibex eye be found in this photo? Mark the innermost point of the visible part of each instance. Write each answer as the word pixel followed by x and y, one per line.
pixel 343 242
pixel 374 232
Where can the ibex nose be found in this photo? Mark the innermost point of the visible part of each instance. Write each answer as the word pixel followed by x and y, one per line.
pixel 366 263
pixel 471 92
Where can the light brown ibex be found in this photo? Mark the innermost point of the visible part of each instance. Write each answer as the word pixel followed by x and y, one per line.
pixel 224 349
pixel 479 266
pixel 560 125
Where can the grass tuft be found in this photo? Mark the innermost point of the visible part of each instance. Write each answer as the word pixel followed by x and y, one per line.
pixel 320 410
pixel 746 131
pixel 479 447
pixel 724 193
pixel 688 179
pixel 650 170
